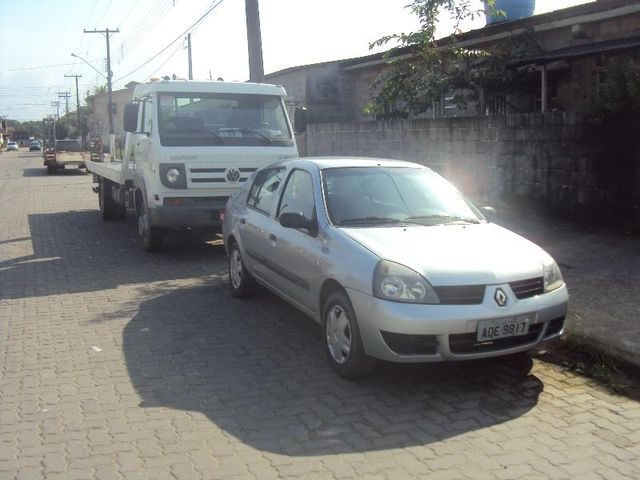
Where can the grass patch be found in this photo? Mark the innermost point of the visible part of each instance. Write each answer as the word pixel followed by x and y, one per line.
pixel 616 376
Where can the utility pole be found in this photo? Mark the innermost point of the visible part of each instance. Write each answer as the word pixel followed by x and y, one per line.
pixel 107 32
pixel 66 96
pixel 254 41
pixel 77 98
pixel 189 55
pixel 57 105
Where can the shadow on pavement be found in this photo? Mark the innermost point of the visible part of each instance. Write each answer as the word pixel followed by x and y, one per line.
pixel 42 172
pixel 256 369
pixel 76 251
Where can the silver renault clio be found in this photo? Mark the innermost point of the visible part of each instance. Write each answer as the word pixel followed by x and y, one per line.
pixel 392 261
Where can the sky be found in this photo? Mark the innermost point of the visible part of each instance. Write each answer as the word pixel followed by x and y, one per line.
pixel 37 38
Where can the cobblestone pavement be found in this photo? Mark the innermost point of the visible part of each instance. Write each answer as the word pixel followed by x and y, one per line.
pixel 115 363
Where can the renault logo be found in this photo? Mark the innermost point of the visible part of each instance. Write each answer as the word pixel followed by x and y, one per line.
pixel 232 175
pixel 500 297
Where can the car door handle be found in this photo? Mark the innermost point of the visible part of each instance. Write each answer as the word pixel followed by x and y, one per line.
pixel 272 237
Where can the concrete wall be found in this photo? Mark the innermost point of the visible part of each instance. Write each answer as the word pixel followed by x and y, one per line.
pixel 555 162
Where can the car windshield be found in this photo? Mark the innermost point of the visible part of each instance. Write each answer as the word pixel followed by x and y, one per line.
pixel 223 119
pixel 365 196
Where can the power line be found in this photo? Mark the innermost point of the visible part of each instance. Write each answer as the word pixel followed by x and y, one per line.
pixel 17 69
pixel 174 41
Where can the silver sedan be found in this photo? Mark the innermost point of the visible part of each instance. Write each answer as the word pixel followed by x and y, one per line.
pixel 392 261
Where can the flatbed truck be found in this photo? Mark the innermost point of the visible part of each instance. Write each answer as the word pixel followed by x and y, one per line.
pixel 189 145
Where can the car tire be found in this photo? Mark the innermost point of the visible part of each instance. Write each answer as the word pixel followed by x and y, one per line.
pixel 242 283
pixel 150 237
pixel 343 343
pixel 108 206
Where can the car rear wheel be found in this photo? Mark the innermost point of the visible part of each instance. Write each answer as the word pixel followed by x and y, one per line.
pixel 343 343
pixel 241 281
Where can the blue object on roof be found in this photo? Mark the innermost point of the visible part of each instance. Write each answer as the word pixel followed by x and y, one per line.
pixel 514 9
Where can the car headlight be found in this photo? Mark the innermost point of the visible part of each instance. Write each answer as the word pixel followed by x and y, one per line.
pixel 173 175
pixel 398 283
pixel 552 275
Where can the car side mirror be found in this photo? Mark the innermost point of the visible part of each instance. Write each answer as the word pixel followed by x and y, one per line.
pixel 297 221
pixel 489 212
pixel 300 120
pixel 131 117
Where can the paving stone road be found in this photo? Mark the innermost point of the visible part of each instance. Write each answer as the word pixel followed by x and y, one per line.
pixel 115 363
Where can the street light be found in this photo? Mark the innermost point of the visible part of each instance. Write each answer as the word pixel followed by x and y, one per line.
pixel 98 71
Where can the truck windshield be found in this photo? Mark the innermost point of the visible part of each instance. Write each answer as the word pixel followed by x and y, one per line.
pixel 222 119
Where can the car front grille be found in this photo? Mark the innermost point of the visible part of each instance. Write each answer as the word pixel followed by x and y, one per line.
pixel 527 288
pixel 460 295
pixel 461 343
pixel 403 344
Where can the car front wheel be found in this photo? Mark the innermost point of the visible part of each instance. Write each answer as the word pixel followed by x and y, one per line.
pixel 343 343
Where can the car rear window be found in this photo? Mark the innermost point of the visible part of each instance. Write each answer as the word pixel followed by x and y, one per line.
pixel 68 146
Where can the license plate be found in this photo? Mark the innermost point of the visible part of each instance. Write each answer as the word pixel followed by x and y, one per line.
pixel 502 327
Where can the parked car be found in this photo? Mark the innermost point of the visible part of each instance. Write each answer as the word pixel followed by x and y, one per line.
pixel 392 261
pixel 12 146
pixel 35 147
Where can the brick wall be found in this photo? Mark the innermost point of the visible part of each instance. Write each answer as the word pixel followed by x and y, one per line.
pixel 557 163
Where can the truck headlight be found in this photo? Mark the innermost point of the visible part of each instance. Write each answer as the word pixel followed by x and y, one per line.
pixel 552 275
pixel 173 175
pixel 393 281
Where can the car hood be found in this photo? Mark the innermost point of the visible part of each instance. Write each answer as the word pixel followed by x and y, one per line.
pixel 455 254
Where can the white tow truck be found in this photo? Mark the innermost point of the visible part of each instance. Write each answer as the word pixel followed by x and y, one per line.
pixel 189 146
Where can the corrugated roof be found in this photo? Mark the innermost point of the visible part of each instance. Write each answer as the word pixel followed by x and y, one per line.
pixel 578 51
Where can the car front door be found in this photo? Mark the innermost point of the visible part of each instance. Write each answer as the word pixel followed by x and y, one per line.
pixel 295 252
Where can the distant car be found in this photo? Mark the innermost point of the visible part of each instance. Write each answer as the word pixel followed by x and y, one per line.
pixel 12 146
pixel 35 147
pixel 392 261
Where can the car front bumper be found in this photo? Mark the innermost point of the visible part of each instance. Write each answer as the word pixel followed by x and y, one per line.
pixel 191 213
pixel 432 333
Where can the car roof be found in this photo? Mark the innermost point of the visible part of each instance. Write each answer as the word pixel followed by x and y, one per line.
pixel 345 162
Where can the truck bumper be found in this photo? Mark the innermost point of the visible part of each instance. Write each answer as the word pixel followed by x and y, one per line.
pixel 189 212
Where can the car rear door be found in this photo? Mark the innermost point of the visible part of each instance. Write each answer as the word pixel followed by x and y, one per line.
pixel 256 224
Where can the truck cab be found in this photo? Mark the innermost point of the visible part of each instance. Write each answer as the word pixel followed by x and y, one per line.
pixel 189 146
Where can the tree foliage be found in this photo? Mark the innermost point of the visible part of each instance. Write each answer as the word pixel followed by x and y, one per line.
pixel 620 91
pixel 422 70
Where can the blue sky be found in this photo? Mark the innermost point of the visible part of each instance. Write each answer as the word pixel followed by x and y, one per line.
pixel 37 38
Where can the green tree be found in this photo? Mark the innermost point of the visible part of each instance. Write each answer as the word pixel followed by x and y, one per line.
pixel 422 70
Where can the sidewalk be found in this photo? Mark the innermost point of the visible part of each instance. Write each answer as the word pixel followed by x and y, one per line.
pixel 602 270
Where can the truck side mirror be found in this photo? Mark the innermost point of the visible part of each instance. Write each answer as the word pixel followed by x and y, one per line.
pixel 300 120
pixel 131 117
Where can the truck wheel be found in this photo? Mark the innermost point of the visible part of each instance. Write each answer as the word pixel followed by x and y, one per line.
pixel 150 236
pixel 108 206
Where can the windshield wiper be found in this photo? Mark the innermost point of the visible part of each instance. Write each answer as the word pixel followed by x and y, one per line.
pixel 367 220
pixel 249 130
pixel 445 218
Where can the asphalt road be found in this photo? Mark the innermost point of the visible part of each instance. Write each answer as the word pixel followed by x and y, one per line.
pixel 116 363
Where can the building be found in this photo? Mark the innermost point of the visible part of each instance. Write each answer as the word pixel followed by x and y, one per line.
pixel 576 47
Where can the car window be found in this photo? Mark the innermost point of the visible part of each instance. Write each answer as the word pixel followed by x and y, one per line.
pixel 298 195
pixel 358 194
pixel 264 189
